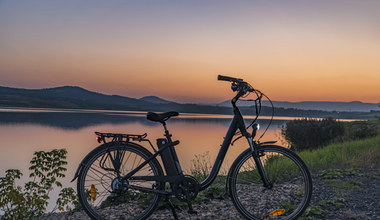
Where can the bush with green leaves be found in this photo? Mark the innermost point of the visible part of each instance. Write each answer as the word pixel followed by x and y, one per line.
pixel 359 130
pixel 30 201
pixel 308 134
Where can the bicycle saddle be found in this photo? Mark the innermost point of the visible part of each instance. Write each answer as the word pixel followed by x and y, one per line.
pixel 160 117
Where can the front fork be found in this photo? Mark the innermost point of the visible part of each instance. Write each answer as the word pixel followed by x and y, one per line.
pixel 256 156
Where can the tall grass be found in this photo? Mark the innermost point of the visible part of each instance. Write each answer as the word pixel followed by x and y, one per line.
pixel 357 153
pixel 349 154
pixel 352 154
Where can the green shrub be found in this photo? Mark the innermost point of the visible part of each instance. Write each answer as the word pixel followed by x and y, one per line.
pixel 215 192
pixel 308 134
pixel 31 201
pixel 359 130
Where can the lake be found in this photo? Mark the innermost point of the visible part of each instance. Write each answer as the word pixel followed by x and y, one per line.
pixel 24 131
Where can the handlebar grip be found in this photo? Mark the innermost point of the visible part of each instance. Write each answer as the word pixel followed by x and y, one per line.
pixel 229 79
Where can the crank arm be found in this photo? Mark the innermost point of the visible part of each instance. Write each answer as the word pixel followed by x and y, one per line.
pixel 147 190
pixel 170 179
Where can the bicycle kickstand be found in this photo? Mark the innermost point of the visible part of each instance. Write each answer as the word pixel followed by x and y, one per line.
pixel 169 204
pixel 188 200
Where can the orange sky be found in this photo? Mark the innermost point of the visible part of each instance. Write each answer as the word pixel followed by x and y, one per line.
pixel 292 51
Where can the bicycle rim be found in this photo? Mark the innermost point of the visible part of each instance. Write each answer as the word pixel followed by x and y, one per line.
pixel 291 185
pixel 98 181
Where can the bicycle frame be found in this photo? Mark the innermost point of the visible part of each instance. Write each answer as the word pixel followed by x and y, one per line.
pixel 236 123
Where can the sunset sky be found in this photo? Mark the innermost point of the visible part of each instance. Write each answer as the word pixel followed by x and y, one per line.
pixel 305 50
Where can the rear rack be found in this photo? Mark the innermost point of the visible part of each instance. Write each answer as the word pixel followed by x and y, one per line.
pixel 120 137
pixel 101 137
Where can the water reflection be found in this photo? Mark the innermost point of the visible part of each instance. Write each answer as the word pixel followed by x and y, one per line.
pixel 22 133
pixel 66 120
pixel 77 118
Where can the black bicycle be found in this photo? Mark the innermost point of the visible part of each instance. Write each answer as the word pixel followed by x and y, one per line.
pixel 120 179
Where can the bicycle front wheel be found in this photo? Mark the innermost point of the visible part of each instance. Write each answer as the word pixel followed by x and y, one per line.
pixel 105 195
pixel 289 190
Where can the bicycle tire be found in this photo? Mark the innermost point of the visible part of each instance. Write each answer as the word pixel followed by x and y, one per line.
pixel 106 202
pixel 290 179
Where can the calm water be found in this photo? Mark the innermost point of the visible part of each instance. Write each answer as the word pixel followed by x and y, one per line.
pixel 22 132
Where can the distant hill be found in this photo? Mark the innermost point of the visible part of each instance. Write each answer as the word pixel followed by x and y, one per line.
pixel 78 98
pixel 156 100
pixel 66 97
pixel 72 97
pixel 355 106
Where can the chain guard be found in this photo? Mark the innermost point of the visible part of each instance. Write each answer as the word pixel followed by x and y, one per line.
pixel 187 185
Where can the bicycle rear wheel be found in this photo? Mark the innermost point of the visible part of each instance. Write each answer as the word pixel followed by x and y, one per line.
pixel 102 192
pixel 289 191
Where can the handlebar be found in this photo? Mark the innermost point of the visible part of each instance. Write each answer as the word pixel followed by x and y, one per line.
pixel 229 79
pixel 237 84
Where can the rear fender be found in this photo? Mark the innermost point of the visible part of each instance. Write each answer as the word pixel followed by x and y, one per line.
pixel 87 157
pixel 101 147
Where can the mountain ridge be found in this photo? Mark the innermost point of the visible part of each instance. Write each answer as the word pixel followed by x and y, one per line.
pixel 155 99
pixel 74 97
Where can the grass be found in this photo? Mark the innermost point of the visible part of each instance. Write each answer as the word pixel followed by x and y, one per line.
pixel 349 154
pixel 346 185
pixel 353 154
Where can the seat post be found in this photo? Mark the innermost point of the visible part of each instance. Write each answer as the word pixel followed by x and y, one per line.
pixel 167 134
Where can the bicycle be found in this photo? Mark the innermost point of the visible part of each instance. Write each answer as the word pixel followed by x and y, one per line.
pixel 122 179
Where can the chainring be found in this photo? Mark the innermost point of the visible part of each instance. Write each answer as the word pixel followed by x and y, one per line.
pixel 187 185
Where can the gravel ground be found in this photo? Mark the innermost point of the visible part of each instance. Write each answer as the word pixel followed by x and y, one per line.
pixel 337 194
pixel 348 195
